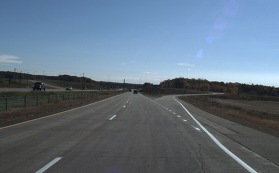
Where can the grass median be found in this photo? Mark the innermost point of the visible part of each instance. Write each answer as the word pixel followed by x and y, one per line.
pixel 17 115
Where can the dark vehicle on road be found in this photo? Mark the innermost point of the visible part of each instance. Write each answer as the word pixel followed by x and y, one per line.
pixel 39 86
pixel 69 88
pixel 135 91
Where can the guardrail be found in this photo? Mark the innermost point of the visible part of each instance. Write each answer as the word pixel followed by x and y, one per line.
pixel 10 103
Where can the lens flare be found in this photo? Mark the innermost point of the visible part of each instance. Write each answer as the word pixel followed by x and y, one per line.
pixel 221 23
pixel 199 54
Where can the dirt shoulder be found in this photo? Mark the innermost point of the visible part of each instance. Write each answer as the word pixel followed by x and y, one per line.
pixel 21 115
pixel 260 115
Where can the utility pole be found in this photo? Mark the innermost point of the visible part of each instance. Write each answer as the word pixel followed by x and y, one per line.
pixel 83 87
pixel 108 82
pixel 124 85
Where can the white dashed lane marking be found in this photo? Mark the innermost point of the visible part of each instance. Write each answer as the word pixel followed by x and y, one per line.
pixel 112 117
pixel 196 128
pixel 43 169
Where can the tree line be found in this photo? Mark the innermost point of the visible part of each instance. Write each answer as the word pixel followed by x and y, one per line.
pixel 213 86
pixel 12 76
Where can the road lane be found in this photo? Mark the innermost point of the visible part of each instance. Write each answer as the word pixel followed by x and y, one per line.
pixel 144 136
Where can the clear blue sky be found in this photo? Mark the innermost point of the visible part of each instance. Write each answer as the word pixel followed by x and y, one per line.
pixel 143 40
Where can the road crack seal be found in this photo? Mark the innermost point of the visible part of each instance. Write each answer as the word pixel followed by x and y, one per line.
pixel 200 160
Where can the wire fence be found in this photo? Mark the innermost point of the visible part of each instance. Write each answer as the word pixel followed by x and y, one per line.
pixel 10 103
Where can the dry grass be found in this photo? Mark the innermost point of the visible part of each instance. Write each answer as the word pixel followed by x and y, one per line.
pixel 21 115
pixel 241 112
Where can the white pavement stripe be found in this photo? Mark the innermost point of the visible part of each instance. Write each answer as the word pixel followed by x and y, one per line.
pixel 238 160
pixel 43 169
pixel 124 106
pixel 178 116
pixel 112 117
pixel 196 128
pixel 184 120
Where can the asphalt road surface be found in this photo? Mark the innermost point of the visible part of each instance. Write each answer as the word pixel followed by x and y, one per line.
pixel 134 134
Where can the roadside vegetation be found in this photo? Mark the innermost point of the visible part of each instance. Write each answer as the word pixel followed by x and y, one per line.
pixel 259 112
pixel 202 85
pixel 24 80
pixel 15 100
pixel 40 104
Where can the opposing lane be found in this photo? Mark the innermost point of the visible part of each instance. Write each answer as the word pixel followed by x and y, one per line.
pixel 144 136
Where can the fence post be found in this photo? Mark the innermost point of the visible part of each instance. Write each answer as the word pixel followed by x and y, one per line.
pixel 37 101
pixel 48 100
pixel 6 99
pixel 25 101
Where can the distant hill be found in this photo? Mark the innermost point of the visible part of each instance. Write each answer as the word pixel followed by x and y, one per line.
pixel 24 80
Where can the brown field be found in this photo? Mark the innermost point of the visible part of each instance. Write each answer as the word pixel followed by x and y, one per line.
pixel 269 108
pixel 261 115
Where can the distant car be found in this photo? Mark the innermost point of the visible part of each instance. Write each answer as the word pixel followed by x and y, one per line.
pixel 69 88
pixel 39 86
pixel 135 91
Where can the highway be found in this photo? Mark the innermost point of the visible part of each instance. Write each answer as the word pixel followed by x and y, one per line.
pixel 131 133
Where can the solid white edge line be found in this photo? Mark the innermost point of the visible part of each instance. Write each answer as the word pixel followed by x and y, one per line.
pixel 43 169
pixel 242 163
pixel 112 117
pixel 48 116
